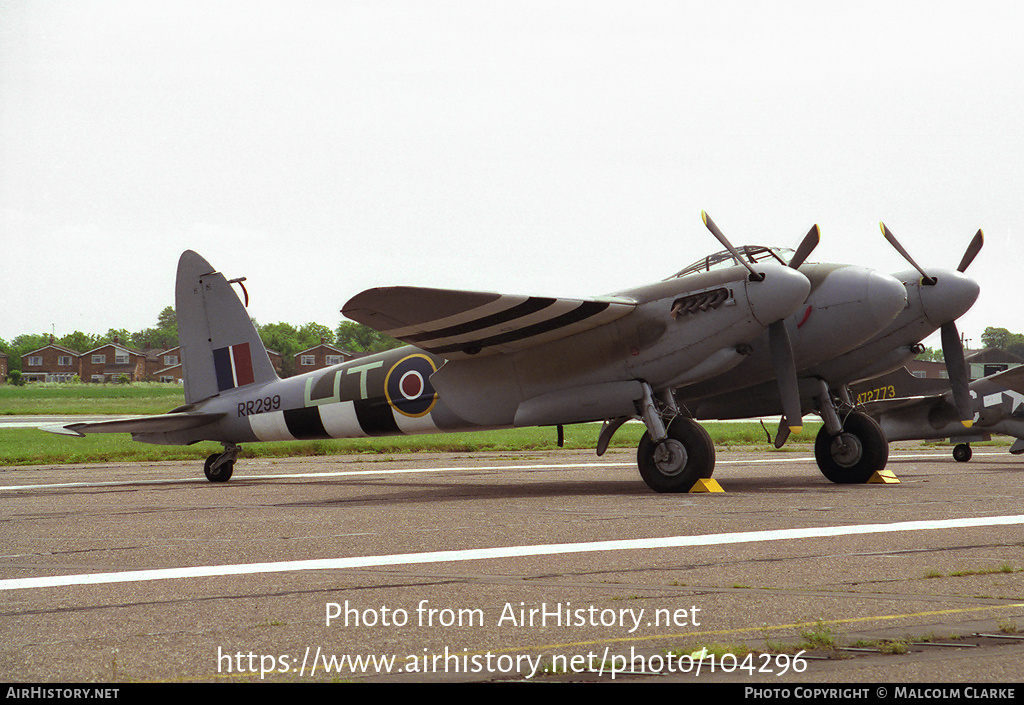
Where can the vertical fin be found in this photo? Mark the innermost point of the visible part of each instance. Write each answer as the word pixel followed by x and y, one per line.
pixel 220 348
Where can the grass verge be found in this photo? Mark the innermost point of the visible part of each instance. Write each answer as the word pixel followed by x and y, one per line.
pixel 117 399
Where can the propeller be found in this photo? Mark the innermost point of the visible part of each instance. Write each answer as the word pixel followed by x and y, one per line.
pixel 926 280
pixel 972 251
pixel 807 245
pixel 952 345
pixel 779 344
pixel 784 366
pixel 956 366
pixel 754 276
pixel 782 353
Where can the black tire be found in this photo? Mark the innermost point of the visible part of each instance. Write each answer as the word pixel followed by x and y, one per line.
pixel 221 474
pixel 675 464
pixel 855 454
pixel 962 452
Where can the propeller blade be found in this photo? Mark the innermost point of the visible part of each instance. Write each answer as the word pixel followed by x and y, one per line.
pixel 807 245
pixel 928 281
pixel 972 251
pixel 728 245
pixel 785 373
pixel 782 434
pixel 956 366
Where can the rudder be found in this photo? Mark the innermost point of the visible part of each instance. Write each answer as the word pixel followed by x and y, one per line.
pixel 220 348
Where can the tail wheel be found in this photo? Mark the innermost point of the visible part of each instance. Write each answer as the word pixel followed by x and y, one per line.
pixel 855 453
pixel 962 452
pixel 676 463
pixel 222 473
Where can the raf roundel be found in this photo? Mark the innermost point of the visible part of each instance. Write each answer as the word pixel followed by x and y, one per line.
pixel 407 386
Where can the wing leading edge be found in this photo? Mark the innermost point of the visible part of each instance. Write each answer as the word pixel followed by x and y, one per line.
pixel 461 324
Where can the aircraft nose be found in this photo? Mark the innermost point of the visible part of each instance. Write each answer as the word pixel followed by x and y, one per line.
pixel 949 297
pixel 850 304
pixel 886 297
pixel 779 295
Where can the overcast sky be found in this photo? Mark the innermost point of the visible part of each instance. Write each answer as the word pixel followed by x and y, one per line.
pixel 556 147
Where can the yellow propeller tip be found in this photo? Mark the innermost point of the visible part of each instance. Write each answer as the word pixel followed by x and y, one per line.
pixel 796 429
pixel 967 424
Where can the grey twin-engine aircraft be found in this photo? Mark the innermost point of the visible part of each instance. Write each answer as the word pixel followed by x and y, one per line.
pixel 480 360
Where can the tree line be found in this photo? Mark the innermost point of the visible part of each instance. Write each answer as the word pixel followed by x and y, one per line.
pixel 284 338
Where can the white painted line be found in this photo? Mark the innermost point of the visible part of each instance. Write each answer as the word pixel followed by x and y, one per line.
pixel 307 475
pixel 475 554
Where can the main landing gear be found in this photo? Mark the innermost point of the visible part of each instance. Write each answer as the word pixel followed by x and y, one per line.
pixel 848 451
pixel 854 454
pixel 677 462
pixel 219 466
pixel 672 458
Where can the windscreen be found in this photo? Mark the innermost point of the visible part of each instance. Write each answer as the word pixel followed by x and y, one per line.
pixel 751 253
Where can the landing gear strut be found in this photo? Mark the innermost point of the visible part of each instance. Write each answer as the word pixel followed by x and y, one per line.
pixel 854 454
pixel 219 466
pixel 672 458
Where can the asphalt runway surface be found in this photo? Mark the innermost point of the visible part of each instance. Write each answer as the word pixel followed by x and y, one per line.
pixel 547 566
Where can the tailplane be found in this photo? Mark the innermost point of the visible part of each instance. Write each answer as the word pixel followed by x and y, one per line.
pixel 220 348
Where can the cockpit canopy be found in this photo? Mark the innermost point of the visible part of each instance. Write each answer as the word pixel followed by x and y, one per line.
pixel 752 253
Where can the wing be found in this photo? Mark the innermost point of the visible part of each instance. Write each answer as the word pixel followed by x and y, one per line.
pixel 459 324
pixel 1012 379
pixel 160 423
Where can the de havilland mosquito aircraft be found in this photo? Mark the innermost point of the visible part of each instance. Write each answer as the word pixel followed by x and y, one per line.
pixel 480 360
pixel 850 446
pixel 997 403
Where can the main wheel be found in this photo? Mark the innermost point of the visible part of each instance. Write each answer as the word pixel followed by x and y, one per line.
pixel 855 454
pixel 962 452
pixel 221 474
pixel 675 464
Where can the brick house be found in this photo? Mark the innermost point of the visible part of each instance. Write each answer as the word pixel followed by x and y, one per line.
pixel 111 363
pixel 165 366
pixel 319 357
pixel 3 367
pixel 927 369
pixel 52 363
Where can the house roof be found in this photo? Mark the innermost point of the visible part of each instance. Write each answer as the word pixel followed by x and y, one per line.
pixel 993 355
pixel 326 346
pixel 60 348
pixel 115 345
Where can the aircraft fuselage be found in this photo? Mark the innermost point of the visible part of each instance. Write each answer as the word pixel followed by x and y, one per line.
pixel 592 375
